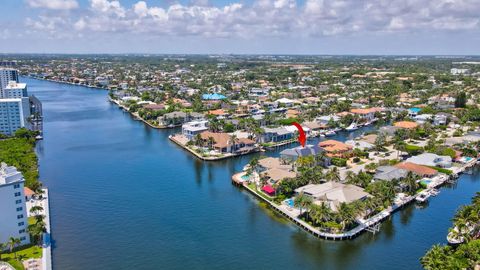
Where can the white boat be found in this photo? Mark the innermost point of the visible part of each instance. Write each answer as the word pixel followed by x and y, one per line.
pixel 422 197
pixel 352 127
pixel 455 238
pixel 434 192
pixel 330 133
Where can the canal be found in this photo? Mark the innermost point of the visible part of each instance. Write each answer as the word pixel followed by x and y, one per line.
pixel 124 197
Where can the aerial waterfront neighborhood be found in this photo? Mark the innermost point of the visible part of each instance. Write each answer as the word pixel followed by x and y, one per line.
pixel 379 137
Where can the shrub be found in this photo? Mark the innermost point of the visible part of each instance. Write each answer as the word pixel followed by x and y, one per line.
pixel 413 149
pixel 339 162
pixel 356 159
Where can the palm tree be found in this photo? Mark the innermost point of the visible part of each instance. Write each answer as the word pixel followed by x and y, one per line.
pixel 253 166
pixel 211 142
pixel 410 182
pixel 233 141
pixel 346 214
pixel 2 247
pixel 350 177
pixel 320 213
pixel 333 175
pixel 37 230
pixel 198 141
pixel 436 258
pixel 36 209
pixel 12 243
pixel 301 200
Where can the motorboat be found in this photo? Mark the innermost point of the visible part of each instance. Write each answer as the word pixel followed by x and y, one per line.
pixel 330 133
pixel 353 126
pixel 422 197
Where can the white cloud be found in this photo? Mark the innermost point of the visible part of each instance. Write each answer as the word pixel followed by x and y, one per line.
pixel 108 7
pixel 53 4
pixel 273 18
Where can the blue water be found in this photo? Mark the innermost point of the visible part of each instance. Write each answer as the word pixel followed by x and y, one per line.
pixel 124 197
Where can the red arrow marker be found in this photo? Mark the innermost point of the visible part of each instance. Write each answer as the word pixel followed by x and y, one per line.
pixel 301 134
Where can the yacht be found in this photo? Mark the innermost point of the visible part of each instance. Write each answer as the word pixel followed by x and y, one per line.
pixel 352 127
pixel 330 133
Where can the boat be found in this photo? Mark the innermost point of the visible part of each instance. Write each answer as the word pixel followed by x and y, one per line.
pixel 434 192
pixel 422 197
pixel 330 133
pixel 353 126
pixel 455 238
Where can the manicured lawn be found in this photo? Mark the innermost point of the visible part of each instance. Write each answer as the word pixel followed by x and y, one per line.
pixel 23 253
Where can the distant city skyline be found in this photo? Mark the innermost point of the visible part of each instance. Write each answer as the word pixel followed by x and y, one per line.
pixel 374 27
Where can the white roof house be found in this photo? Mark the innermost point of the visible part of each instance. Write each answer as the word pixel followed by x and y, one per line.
pixel 429 159
pixel 333 192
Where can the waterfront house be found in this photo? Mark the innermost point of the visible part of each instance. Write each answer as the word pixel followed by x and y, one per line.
pixel 276 135
pixel 326 119
pixel 173 119
pixel 273 163
pixel 366 115
pixel 432 160
pixel 335 148
pixel 313 125
pixel 389 173
pixel 191 129
pixel 420 170
pixel 292 154
pixel 276 175
pixel 423 118
pixel 219 113
pixel 154 107
pixel 333 193
pixel 406 124
pixel 224 143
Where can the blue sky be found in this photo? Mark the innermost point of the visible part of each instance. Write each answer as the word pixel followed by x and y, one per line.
pixel 241 26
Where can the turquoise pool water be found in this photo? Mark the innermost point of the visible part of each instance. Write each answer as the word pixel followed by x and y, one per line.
pixel 245 177
pixel 290 202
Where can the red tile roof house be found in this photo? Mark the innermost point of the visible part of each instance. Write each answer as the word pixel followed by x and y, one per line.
pixel 366 114
pixel 222 142
pixel 335 148
pixel 419 170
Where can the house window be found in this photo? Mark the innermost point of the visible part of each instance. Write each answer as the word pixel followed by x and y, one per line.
pixel 16 186
pixel 18 201
pixel 17 194
pixel 19 216
pixel 19 209
pixel 21 224
pixel 21 231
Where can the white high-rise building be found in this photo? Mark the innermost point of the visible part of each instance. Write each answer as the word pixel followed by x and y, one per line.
pixel 13 209
pixel 15 90
pixel 7 75
pixel 14 113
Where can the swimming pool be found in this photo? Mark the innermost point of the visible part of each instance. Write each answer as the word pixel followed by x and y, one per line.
pixel 425 181
pixel 290 202
pixel 245 177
